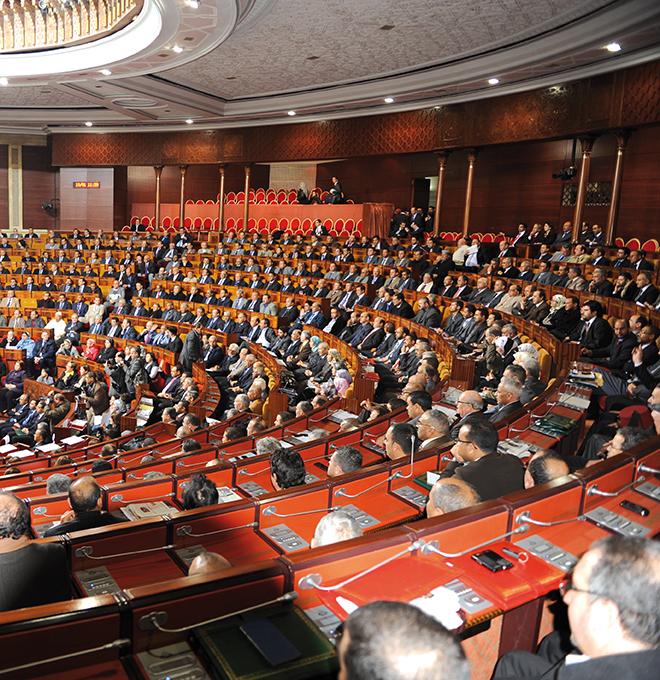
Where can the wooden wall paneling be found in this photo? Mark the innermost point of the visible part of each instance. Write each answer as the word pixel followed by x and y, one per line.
pixel 4 186
pixel 86 208
pixel 120 206
pixel 38 186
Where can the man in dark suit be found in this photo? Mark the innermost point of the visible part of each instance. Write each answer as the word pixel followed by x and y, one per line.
pixel 482 294
pixel 491 473
pixel 401 307
pixel 385 344
pixel 638 261
pixel 427 314
pixel 622 255
pixel 539 308
pixel 336 323
pixel 508 395
pixel 619 352
pixel 594 332
pixel 85 501
pixel 647 293
pixel 373 338
pixel 598 258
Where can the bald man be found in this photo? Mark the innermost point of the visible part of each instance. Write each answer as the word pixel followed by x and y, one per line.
pixel 544 466
pixel 86 504
pixel 208 563
pixel 448 495
pixel 468 405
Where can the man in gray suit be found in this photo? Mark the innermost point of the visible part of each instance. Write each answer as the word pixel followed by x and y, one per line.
pixel 240 302
pixel 192 348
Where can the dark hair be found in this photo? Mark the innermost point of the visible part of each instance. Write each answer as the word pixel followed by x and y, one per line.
pixel 14 517
pixel 594 306
pixel 517 373
pixel 382 635
pixel 422 399
pixel 348 458
pixel 627 573
pixel 192 419
pixel 632 436
pixel 285 416
pixel 306 406
pixel 395 404
pixel 232 433
pixel 288 468
pixel 199 492
pixel 108 451
pixel 483 434
pixel 101 465
pixel 190 445
pixel 403 435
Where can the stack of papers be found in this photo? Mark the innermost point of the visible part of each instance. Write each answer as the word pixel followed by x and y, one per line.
pixel 138 511
pixel 227 495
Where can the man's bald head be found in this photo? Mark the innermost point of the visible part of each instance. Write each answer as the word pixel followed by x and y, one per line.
pixel 544 466
pixel 448 495
pixel 469 401
pixel 208 563
pixel 85 495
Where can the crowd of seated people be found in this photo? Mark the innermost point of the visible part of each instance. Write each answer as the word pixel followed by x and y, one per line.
pixel 507 377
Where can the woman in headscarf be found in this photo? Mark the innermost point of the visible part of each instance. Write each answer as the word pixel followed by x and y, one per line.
pixel 342 379
pixel 302 195
pixel 109 351
pixel 556 303
pixel 13 387
pixel 67 349
pixel 91 350
pixel 26 343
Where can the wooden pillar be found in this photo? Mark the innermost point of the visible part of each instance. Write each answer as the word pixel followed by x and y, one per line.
pixel 472 159
pixel 182 198
pixel 622 137
pixel 246 206
pixel 221 197
pixel 159 171
pixel 587 147
pixel 442 163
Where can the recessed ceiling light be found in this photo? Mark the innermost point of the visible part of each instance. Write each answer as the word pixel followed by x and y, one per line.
pixel 389 100
pixel 4 81
pixel 89 123
pixel 190 121
pixel 291 113
pixel 613 47
pixel 106 72
pixel 193 3
pixel 493 81
pixel 177 49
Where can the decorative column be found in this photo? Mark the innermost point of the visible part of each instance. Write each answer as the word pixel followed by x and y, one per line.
pixel 221 197
pixel 159 171
pixel 182 169
pixel 622 137
pixel 442 163
pixel 15 186
pixel 472 159
pixel 246 206
pixel 587 147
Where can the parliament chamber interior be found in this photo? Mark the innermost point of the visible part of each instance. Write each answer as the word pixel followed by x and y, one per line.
pixel 311 354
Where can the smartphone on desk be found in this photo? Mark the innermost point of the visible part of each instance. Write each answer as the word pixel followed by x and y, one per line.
pixel 492 561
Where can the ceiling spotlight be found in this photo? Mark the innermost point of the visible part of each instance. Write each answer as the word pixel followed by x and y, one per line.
pixel 106 72
pixel 291 113
pixel 178 49
pixel 89 123
pixel 193 3
pixel 613 47
pixel 190 121
pixel 493 81
pixel 389 100
pixel 4 81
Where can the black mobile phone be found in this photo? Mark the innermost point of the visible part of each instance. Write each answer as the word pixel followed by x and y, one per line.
pixel 269 642
pixel 633 507
pixel 492 561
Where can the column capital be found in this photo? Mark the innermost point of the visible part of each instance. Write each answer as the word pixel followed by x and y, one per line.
pixel 183 169
pixel 587 144
pixel 622 138
pixel 472 154
pixel 222 167
pixel 158 168
pixel 443 156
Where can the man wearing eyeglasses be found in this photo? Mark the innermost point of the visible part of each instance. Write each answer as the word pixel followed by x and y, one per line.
pixel 479 463
pixel 613 604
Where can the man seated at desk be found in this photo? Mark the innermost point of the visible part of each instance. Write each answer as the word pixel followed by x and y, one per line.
pixel 86 503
